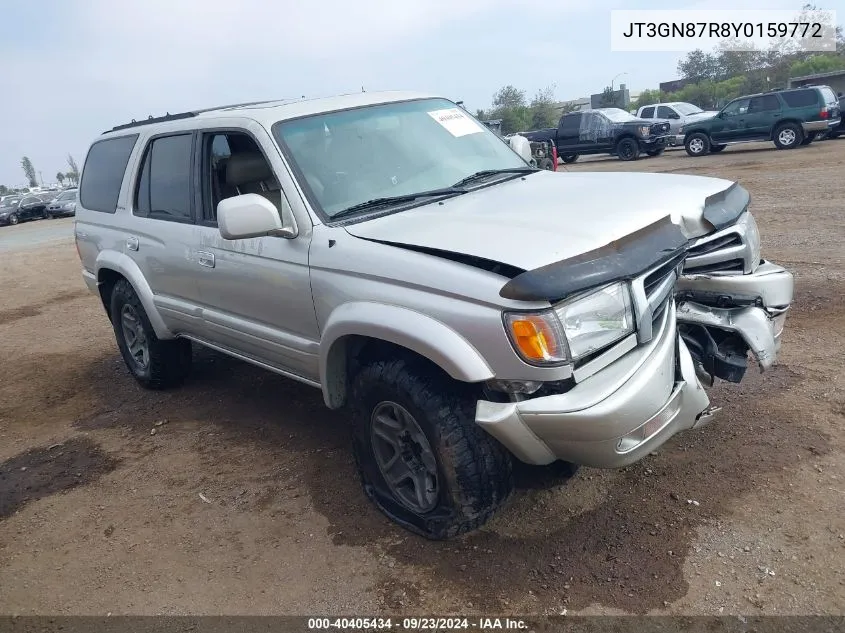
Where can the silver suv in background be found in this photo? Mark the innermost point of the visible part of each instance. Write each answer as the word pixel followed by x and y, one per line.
pixel 678 114
pixel 391 251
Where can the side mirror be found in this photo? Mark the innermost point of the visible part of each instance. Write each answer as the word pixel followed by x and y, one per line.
pixel 252 215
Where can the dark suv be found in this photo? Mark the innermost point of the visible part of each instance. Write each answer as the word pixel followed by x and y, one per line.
pixel 789 118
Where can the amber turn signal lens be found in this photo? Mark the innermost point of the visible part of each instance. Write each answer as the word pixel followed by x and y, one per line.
pixel 537 337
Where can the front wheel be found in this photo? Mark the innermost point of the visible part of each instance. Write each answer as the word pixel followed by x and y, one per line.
pixel 569 158
pixel 628 149
pixel 697 144
pixel 153 362
pixel 788 136
pixel 422 459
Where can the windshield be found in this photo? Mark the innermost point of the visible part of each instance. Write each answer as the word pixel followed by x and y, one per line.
pixel 685 109
pixel 617 115
pixel 67 195
pixel 9 202
pixel 354 156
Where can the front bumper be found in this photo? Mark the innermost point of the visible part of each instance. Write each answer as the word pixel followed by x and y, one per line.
pixel 653 142
pixel 626 410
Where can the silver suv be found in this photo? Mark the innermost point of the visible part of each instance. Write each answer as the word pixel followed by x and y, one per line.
pixel 469 309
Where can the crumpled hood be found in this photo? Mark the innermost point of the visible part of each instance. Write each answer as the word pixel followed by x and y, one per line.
pixel 549 216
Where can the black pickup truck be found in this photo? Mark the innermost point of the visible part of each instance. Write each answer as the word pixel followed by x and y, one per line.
pixel 604 131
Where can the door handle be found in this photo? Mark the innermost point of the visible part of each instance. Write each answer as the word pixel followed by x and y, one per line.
pixel 132 243
pixel 204 258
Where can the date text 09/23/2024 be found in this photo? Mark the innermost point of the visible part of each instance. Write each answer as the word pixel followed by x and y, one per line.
pixel 417 624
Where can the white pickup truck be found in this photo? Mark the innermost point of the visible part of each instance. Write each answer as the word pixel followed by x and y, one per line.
pixel 678 114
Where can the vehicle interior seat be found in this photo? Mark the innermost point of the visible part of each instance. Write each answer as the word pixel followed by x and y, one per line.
pixel 249 172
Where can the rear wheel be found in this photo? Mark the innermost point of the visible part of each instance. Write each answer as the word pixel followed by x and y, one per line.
pixel 697 144
pixel 154 363
pixel 422 459
pixel 788 136
pixel 628 149
pixel 569 158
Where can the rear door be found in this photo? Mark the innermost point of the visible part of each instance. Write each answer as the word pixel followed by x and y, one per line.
pixel 161 235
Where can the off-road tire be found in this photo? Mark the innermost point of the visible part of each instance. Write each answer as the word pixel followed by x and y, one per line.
pixel 797 136
pixel 655 152
pixel 169 360
pixel 474 471
pixel 715 149
pixel 569 158
pixel 628 149
pixel 695 141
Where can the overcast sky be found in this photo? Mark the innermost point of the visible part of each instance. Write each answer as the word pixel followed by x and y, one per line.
pixel 70 69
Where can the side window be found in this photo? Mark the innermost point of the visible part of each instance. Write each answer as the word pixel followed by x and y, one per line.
pixel 764 103
pixel 102 174
pixel 736 108
pixel 648 113
pixel 571 122
pixel 665 112
pixel 233 164
pixel 164 186
pixel 800 98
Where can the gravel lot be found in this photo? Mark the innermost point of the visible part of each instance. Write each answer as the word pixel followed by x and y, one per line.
pixel 236 494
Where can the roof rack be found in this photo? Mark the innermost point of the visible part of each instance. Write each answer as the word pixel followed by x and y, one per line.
pixel 182 115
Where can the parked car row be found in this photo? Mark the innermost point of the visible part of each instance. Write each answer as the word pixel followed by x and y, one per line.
pixel 54 204
pixel 788 118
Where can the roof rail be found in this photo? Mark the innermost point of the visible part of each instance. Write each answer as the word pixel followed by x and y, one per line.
pixel 182 115
pixel 151 119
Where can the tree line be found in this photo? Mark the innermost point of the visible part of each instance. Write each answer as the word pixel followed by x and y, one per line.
pixel 711 80
pixel 31 175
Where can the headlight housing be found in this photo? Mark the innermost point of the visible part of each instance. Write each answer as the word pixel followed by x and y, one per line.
pixel 752 237
pixel 574 329
pixel 645 130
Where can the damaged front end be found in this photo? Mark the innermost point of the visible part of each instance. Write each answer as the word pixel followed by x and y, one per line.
pixel 731 302
pixel 700 305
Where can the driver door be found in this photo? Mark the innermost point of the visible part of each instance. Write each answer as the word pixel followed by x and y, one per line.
pixel 730 124
pixel 255 293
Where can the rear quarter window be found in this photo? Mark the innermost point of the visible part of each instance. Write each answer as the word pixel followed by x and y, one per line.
pixel 801 98
pixel 102 174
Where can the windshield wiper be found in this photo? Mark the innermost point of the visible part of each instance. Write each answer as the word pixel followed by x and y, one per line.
pixel 486 173
pixel 380 203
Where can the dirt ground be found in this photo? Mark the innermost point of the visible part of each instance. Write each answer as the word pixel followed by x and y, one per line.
pixel 237 493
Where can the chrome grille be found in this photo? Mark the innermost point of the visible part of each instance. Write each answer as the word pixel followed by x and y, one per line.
pixel 723 252
pixel 652 293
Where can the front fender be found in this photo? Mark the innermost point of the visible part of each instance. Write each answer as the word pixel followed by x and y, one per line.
pixel 123 264
pixel 401 326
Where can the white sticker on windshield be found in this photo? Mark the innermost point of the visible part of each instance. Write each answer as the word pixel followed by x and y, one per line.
pixel 455 121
